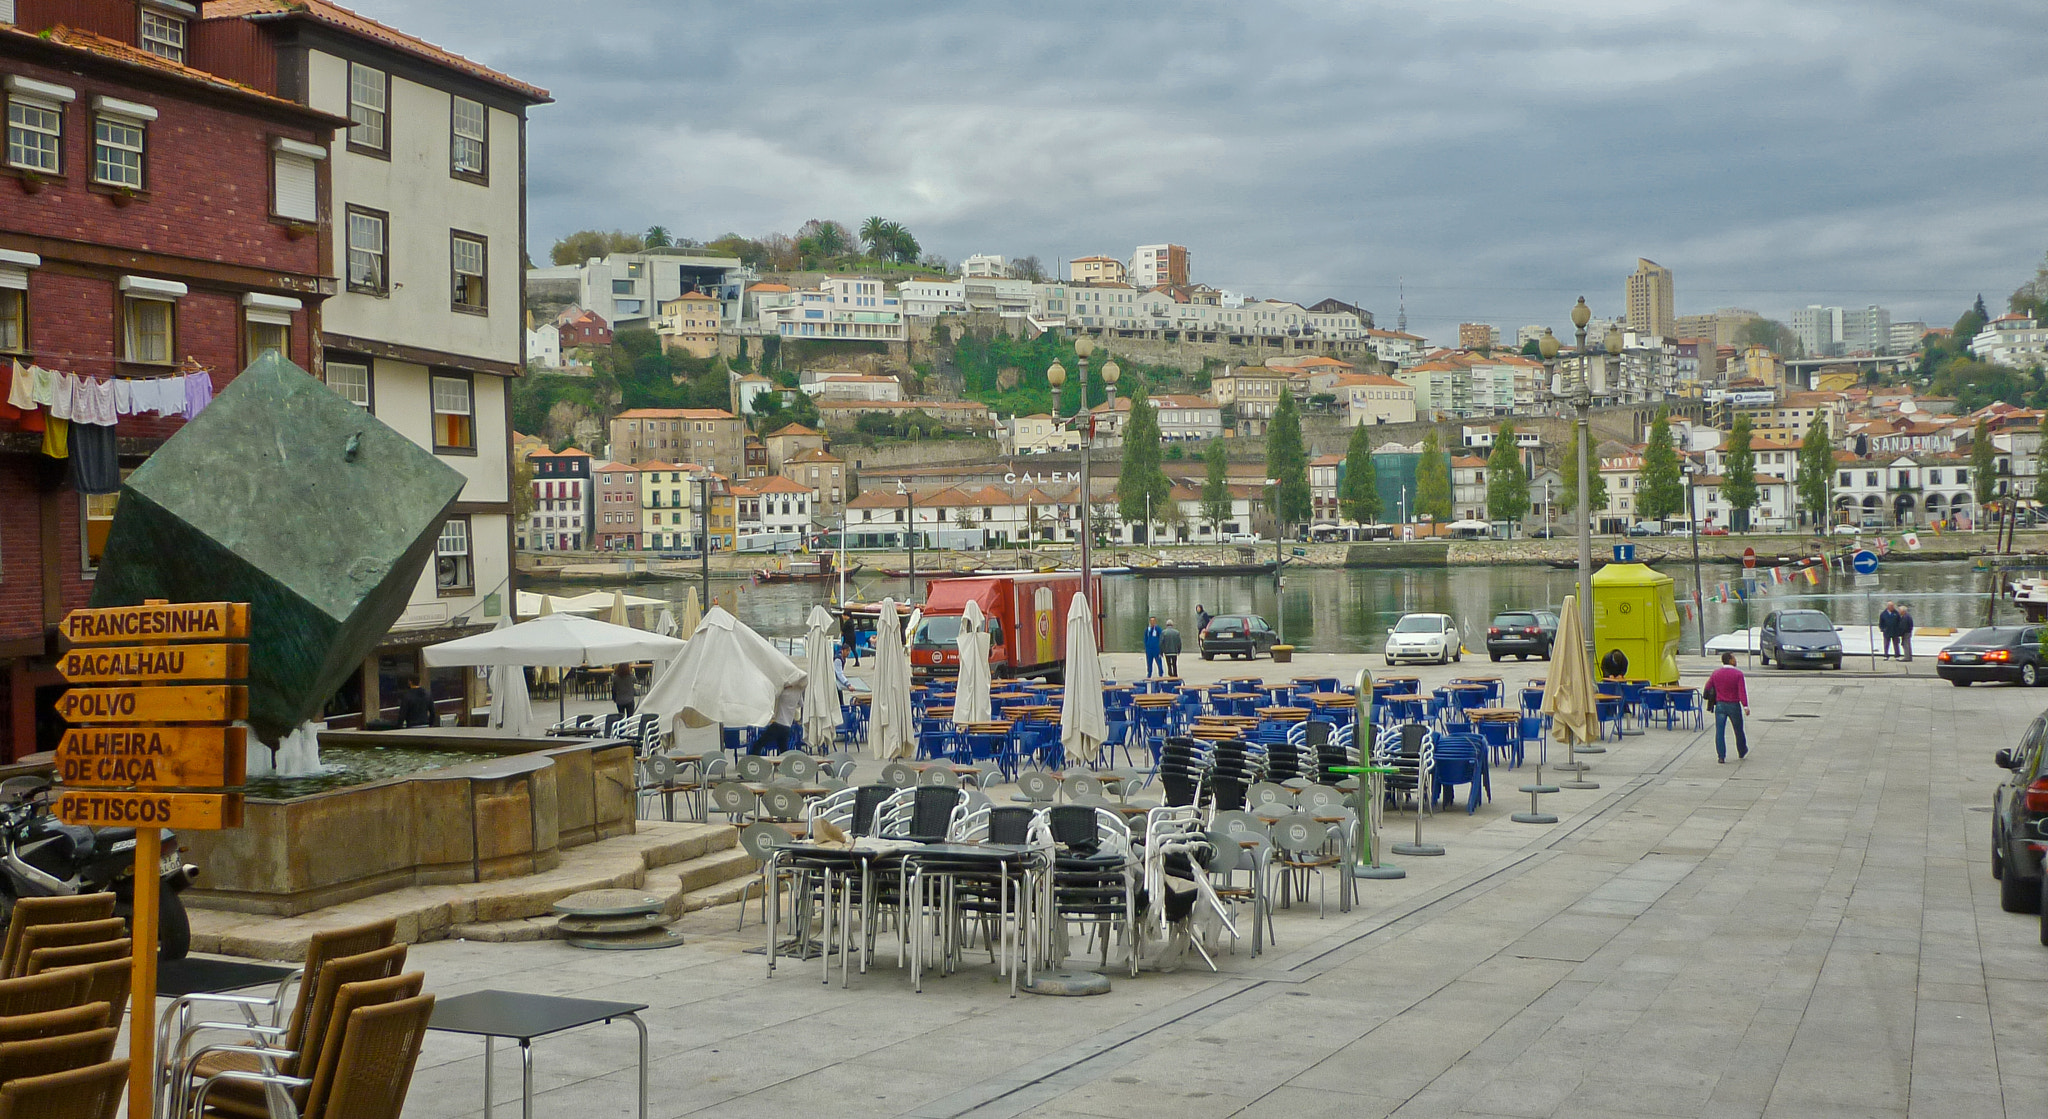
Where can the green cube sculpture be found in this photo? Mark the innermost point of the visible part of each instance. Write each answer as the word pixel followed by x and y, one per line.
pixel 285 496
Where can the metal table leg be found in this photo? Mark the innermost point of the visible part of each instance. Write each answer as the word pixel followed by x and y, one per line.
pixel 642 1027
pixel 490 1043
pixel 525 1078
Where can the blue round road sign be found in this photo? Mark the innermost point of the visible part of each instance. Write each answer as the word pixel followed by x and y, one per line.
pixel 1865 562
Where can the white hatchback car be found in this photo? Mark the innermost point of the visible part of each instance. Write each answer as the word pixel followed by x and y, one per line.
pixel 1424 637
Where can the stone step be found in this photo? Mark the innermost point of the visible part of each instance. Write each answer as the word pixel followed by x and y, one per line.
pixel 714 869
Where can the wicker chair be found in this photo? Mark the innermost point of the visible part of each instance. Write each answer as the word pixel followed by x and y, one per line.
pixel 50 1023
pixel 62 1053
pixel 31 913
pixel 64 934
pixel 379 1048
pixel 107 981
pixel 93 1092
pixel 78 955
pixel 52 990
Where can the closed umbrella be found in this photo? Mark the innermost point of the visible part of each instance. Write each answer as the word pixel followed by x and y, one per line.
pixel 1569 695
pixel 511 706
pixel 1083 724
pixel 970 697
pixel 667 625
pixel 890 733
pixel 617 615
pixel 821 693
pixel 726 675
pixel 693 615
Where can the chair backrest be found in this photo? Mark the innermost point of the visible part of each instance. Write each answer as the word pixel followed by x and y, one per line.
pixel 753 767
pixel 75 955
pixel 45 1055
pixel 106 981
pixel 931 811
pixel 364 967
pixel 1010 824
pixel 348 999
pixel 1299 835
pixel 732 798
pixel 779 802
pixel 375 1052
pixel 334 944
pixel 50 1023
pixel 64 935
pixel 798 766
pixel 1266 792
pixel 760 840
pixel 1322 800
pixel 52 990
pixel 32 912
pixel 93 1092
pixel 941 776
pixel 1080 785
pixel 1037 786
pixel 898 774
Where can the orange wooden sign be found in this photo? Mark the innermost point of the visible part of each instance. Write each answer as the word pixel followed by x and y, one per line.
pixel 153 757
pixel 159 621
pixel 193 703
pixel 181 811
pixel 150 664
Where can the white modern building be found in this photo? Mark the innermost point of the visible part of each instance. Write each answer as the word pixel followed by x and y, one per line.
pixel 2014 340
pixel 852 309
pixel 628 289
pixel 544 346
pixel 984 266
pixel 773 504
pixel 928 299
pixel 1188 418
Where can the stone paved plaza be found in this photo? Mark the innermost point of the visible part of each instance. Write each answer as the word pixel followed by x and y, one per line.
pixel 1811 932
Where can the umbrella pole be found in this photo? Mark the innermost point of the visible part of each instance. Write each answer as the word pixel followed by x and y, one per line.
pixel 1535 814
pixel 1573 765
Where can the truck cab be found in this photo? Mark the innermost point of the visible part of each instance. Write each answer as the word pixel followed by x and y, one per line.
pixel 1026 616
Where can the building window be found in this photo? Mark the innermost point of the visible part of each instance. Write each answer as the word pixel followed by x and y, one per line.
pixel 269 337
pixel 147 330
pixel 366 251
pixel 35 132
pixel 466 256
pixel 13 310
pixel 453 426
pixel 469 139
pixel 369 96
pixel 351 380
pixel 294 182
pixel 453 573
pixel 622 287
pixel 117 151
pixel 163 34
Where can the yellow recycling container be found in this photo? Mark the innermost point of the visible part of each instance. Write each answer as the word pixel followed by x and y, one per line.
pixel 1636 610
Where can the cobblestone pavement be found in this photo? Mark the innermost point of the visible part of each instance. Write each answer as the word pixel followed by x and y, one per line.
pixel 1812 932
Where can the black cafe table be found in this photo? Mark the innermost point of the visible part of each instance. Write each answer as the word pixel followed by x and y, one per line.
pixel 522 1017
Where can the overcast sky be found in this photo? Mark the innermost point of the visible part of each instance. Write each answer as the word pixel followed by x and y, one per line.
pixel 1501 156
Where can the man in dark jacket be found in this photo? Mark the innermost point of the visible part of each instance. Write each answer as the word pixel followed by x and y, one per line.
pixel 1888 628
pixel 1169 647
pixel 415 706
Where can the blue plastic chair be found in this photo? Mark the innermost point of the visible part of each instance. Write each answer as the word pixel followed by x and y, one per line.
pixel 1685 707
pixel 1611 708
pixel 1651 706
pixel 1461 760
pixel 1533 729
pixel 935 741
pixel 1504 738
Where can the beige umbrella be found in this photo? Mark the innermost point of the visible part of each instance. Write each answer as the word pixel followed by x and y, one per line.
pixel 617 616
pixel 970 697
pixel 1569 695
pixel 693 615
pixel 891 733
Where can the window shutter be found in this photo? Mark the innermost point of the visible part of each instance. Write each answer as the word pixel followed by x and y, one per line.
pixel 296 197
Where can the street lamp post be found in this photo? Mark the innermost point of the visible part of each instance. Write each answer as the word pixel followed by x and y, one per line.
pixel 1056 375
pixel 1692 513
pixel 1582 402
pixel 1279 582
pixel 909 534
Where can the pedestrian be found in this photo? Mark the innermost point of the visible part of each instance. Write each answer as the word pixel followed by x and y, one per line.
pixel 1202 617
pixel 624 689
pixel 1169 647
pixel 415 705
pixel 1153 665
pixel 1728 694
pixel 1614 666
pixel 780 733
pixel 1905 624
pixel 1888 627
pixel 849 636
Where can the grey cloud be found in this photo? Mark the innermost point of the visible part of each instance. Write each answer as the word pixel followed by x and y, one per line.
pixel 1501 156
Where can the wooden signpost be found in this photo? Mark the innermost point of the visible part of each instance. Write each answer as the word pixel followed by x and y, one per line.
pixel 153 751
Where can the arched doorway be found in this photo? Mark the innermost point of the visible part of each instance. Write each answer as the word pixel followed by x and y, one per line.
pixel 1902 509
pixel 1936 508
pixel 1873 509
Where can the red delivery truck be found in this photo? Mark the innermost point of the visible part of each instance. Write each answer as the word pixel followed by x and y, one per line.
pixel 1026 615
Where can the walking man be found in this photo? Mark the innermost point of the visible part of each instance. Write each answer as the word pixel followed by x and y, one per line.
pixel 1729 694
pixel 848 636
pixel 1202 617
pixel 1905 624
pixel 1888 627
pixel 1153 664
pixel 1169 647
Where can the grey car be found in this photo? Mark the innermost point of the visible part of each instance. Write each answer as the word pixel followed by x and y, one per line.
pixel 1792 637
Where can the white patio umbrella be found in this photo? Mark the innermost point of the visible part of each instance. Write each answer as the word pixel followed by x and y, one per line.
pixel 530 605
pixel 511 706
pixel 667 625
pixel 890 730
pixel 1083 724
pixel 970 696
pixel 821 693
pixel 1570 697
pixel 553 640
pixel 727 675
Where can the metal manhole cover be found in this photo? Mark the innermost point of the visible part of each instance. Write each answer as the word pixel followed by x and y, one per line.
pixel 607 903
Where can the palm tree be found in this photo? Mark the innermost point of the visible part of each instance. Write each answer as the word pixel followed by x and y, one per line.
pixel 874 232
pixel 656 237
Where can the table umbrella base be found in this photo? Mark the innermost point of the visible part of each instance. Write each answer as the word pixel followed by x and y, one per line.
pixel 1068 984
pixel 1417 848
pixel 1589 749
pixel 1533 818
pixel 1578 784
pixel 1382 871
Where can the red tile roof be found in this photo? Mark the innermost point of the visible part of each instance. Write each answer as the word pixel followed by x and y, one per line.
pixel 336 16
pixel 113 50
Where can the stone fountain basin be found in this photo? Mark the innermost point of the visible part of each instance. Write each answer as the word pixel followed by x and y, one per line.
pixel 509 813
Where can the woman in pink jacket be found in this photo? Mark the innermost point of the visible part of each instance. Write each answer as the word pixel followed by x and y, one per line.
pixel 1729 694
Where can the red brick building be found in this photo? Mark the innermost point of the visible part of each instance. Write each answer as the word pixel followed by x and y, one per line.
pixel 155 221
pixel 586 328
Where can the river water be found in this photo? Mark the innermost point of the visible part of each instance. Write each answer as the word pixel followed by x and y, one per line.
pixel 1340 610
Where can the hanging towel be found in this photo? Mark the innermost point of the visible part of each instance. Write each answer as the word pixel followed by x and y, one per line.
pixel 124 395
pixel 103 405
pixel 42 385
pixel 150 395
pixel 95 467
pixel 198 393
pixel 12 372
pixel 63 387
pixel 18 392
pixel 56 438
pixel 84 404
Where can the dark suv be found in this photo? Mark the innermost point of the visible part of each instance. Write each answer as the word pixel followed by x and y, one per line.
pixel 2019 824
pixel 1236 635
pixel 1521 634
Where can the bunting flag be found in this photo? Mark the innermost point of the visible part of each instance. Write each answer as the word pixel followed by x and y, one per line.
pixel 1912 541
pixel 1777 576
pixel 1884 547
pixel 1813 576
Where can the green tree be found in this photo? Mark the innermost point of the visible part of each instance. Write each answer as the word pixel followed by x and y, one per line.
pixel 1360 491
pixel 1660 489
pixel 873 232
pixel 583 244
pixel 1817 472
pixel 1507 484
pixel 1982 462
pixel 1140 477
pixel 656 237
pixel 1568 470
pixel 1738 475
pixel 1433 480
pixel 1771 335
pixel 1287 460
pixel 1216 486
pixel 1532 349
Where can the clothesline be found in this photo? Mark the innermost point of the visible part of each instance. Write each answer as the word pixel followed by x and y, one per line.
pixel 76 414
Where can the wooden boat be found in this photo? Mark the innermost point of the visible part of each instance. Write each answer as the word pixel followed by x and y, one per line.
pixel 820 570
pixel 1197 570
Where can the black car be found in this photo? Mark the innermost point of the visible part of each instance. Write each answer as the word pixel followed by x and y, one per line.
pixel 1236 635
pixel 1799 637
pixel 1521 634
pixel 2009 653
pixel 2019 824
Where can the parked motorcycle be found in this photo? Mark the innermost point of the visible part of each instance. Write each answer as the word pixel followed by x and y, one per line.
pixel 41 856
